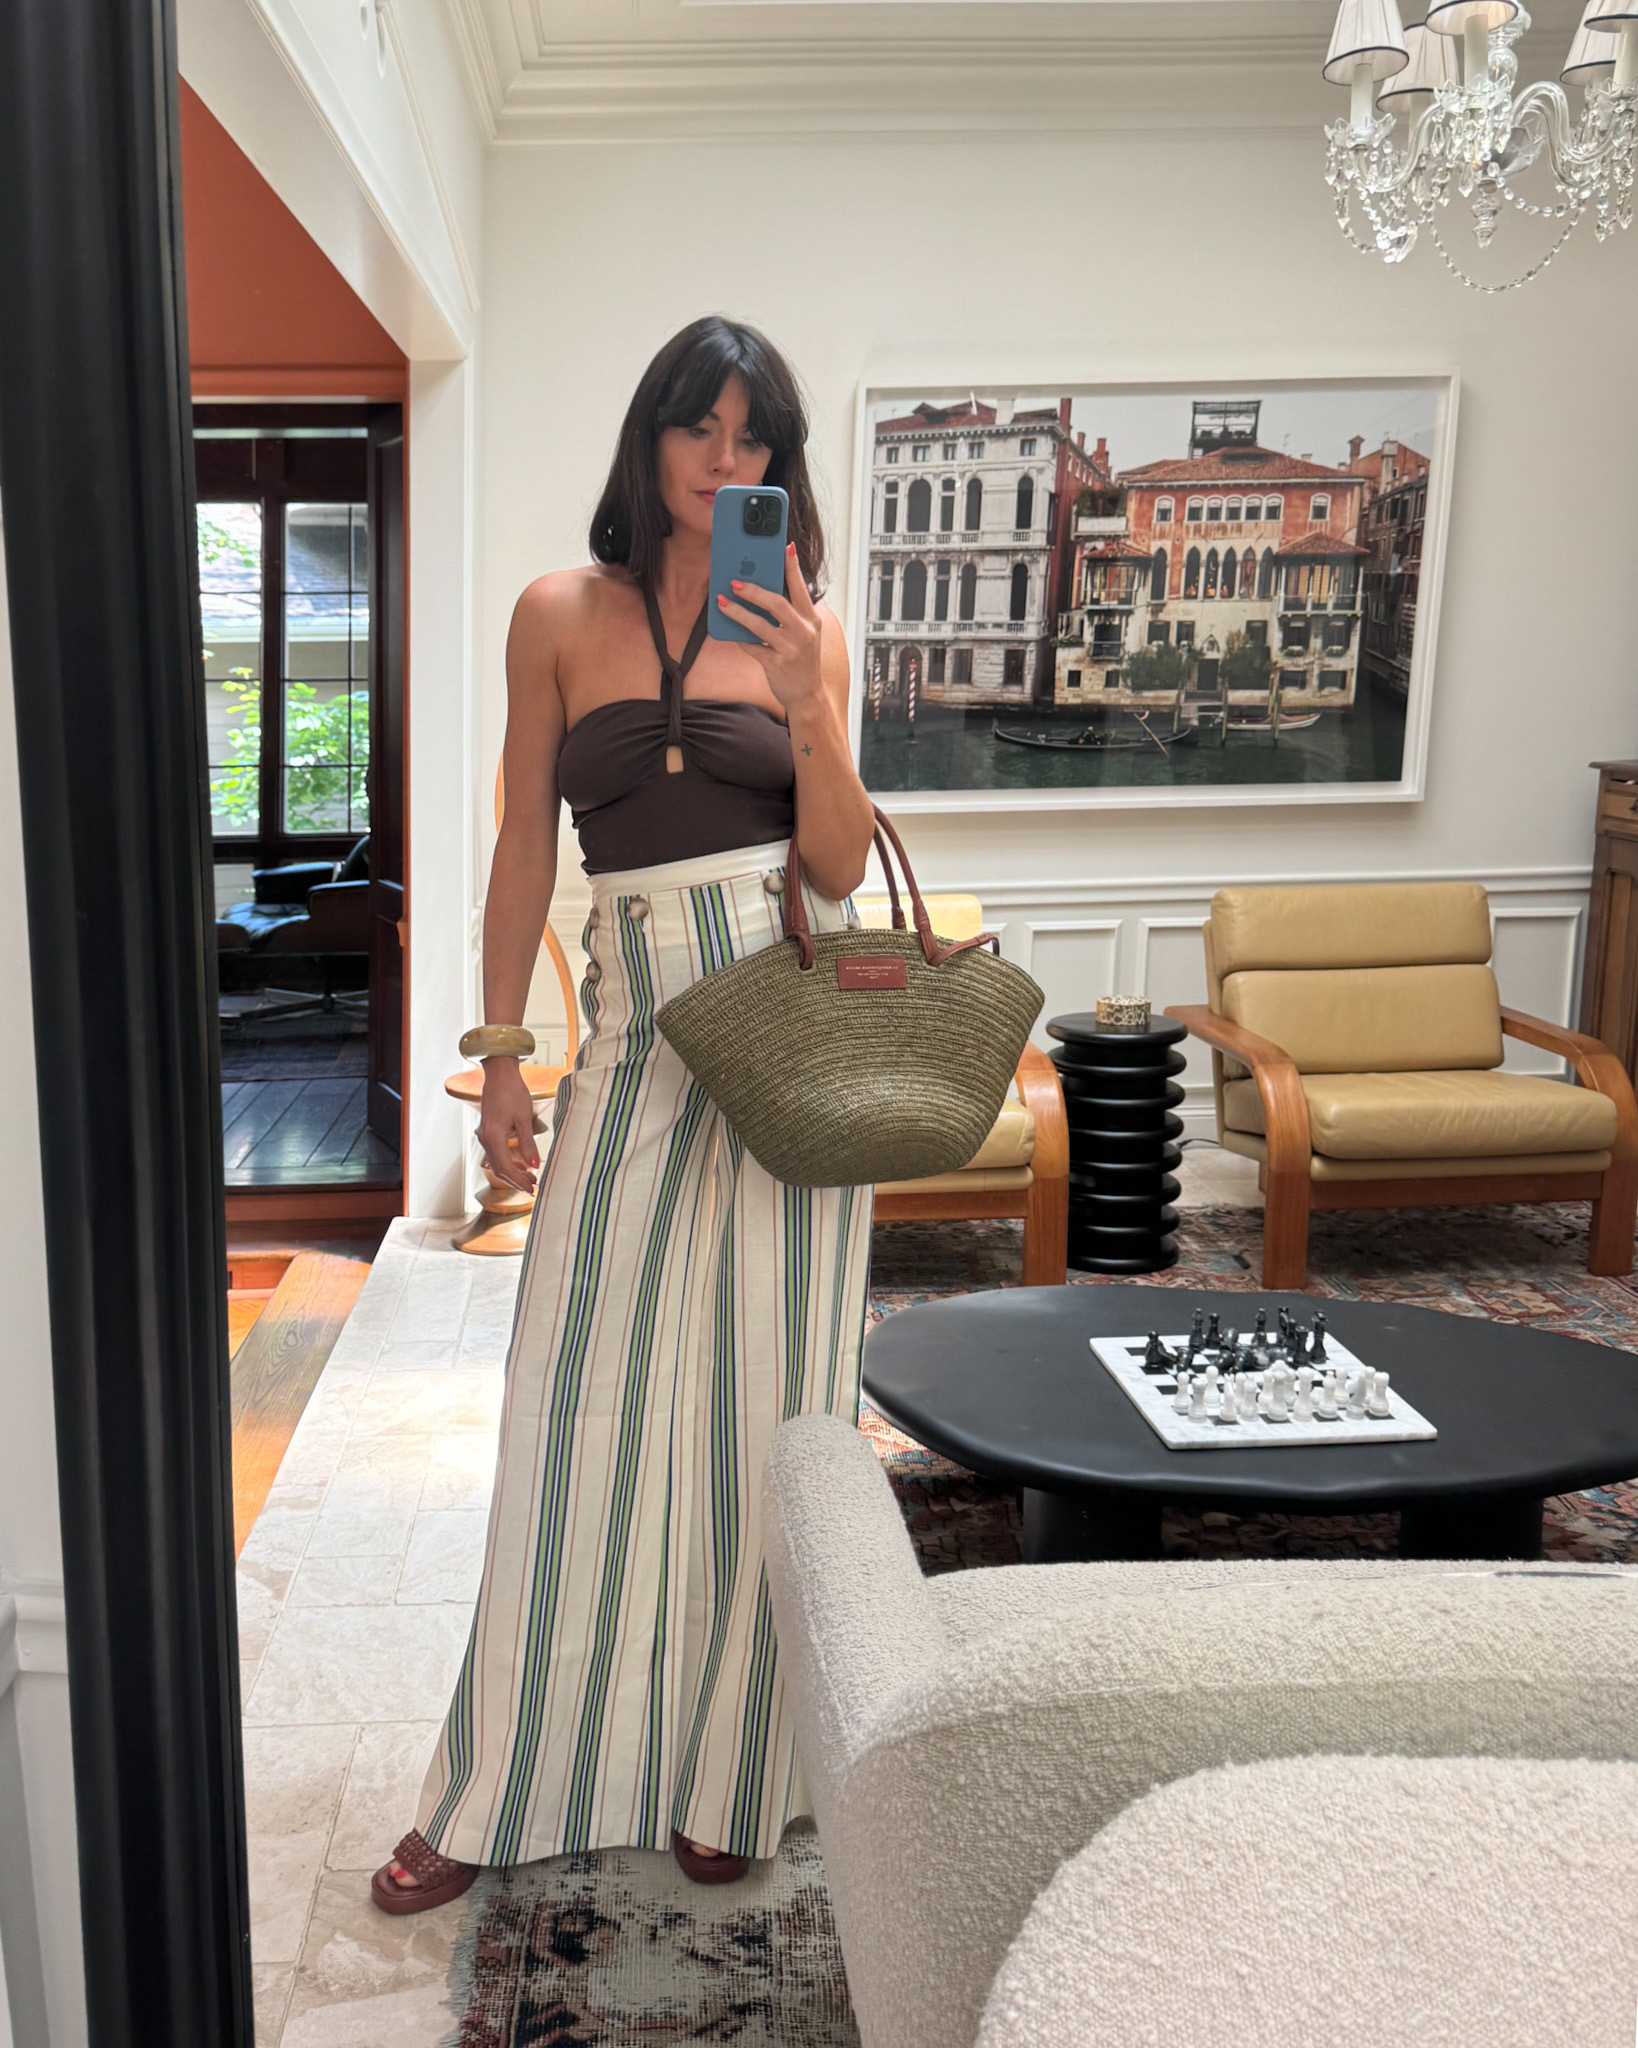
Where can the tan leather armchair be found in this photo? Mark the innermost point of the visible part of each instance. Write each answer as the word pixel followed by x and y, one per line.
pixel 1022 1168
pixel 1356 1033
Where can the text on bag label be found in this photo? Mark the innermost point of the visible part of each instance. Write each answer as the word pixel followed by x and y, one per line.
pixel 870 970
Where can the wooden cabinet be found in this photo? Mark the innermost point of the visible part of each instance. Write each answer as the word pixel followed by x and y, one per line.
pixel 1609 980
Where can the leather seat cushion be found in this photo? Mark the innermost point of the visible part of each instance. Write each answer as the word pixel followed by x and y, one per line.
pixel 1461 1115
pixel 1011 1141
pixel 1372 1020
pixel 968 1180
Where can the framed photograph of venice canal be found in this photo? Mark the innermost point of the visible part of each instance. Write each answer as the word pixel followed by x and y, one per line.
pixel 1141 594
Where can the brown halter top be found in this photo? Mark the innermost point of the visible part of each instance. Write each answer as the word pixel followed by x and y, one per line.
pixel 737 786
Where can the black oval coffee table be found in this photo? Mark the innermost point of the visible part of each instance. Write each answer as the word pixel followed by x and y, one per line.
pixel 1006 1384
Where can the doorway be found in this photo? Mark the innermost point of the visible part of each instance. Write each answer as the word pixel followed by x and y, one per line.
pixel 300 545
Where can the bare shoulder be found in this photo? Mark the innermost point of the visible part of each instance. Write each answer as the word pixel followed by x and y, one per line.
pixel 832 650
pixel 555 602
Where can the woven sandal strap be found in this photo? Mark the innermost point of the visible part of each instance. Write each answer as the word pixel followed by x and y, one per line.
pixel 422 1861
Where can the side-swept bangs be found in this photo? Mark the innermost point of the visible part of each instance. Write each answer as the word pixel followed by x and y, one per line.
pixel 678 388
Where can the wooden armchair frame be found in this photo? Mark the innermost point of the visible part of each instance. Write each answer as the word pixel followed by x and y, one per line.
pixel 1044 1204
pixel 1290 1193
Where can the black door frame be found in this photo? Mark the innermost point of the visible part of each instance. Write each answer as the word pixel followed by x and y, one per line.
pixel 96 477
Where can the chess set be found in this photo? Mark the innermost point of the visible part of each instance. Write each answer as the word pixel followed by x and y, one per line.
pixel 1213 1390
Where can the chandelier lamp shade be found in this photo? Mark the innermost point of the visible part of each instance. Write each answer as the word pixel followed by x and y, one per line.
pixel 1592 52
pixel 1432 65
pixel 1423 129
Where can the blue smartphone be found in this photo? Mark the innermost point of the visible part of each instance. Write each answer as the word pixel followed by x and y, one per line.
pixel 747 541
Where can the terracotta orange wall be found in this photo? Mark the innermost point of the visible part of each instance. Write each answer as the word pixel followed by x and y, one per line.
pixel 269 315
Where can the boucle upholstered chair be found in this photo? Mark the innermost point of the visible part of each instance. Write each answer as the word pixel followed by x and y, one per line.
pixel 1354 1901
pixel 1022 1168
pixel 961 1736
pixel 1356 1034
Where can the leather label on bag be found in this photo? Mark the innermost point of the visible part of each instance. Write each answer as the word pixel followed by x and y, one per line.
pixel 870 970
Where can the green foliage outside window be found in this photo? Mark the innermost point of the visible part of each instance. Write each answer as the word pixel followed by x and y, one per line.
pixel 326 752
pixel 1160 667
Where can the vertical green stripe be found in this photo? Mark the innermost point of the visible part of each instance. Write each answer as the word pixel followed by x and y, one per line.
pixel 724 1546
pixel 623 1490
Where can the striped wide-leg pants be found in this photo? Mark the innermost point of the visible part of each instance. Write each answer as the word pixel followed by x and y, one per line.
pixel 676 1305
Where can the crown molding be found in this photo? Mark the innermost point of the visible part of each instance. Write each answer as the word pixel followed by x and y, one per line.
pixel 479 71
pixel 655 91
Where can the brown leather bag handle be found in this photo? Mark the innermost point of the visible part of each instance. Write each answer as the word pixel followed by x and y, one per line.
pixel 795 913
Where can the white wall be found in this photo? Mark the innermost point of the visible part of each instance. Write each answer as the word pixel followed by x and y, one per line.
pixel 39 1882
pixel 1139 254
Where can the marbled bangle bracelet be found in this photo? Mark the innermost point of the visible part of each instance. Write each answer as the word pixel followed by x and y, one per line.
pixel 509 1040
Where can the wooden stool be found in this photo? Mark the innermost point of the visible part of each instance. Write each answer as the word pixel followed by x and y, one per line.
pixel 501 1226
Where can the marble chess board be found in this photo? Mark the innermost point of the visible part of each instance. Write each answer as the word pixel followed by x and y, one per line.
pixel 1157 1399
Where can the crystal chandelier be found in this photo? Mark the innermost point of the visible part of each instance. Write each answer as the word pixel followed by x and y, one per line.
pixel 1466 133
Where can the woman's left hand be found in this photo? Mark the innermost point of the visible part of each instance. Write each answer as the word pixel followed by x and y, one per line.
pixel 789 648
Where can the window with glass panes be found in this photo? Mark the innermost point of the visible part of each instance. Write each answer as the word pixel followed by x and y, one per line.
pixel 284 586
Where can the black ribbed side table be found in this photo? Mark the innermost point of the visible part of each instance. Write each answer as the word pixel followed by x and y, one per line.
pixel 1119 1096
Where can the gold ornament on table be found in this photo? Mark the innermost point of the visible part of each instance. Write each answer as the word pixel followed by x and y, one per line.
pixel 1123 1013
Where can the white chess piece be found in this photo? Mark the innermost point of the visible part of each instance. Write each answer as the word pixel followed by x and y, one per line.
pixel 1325 1397
pixel 1246 1391
pixel 1228 1399
pixel 1302 1409
pixel 1180 1400
pixel 1197 1395
pixel 1377 1405
pixel 1358 1386
pixel 1277 1379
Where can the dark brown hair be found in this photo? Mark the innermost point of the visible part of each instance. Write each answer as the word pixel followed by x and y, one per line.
pixel 678 389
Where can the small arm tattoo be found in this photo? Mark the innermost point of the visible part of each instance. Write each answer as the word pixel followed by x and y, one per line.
pixel 807 749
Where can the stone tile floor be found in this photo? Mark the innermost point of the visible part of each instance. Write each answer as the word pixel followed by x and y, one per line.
pixel 355 1597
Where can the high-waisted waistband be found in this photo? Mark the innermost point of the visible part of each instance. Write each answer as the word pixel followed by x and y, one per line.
pixel 709 868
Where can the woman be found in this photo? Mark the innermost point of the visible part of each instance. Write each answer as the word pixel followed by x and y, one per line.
pixel 676 1304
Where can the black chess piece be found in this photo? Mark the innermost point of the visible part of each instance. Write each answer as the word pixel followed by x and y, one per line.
pixel 1262 1325
pixel 1156 1358
pixel 1197 1330
pixel 1214 1332
pixel 1316 1350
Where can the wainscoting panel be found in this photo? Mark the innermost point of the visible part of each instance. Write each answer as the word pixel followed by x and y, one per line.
pixel 1171 968
pixel 1074 961
pixel 1537 957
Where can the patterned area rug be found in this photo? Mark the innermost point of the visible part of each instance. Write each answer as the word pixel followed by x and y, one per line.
pixel 612 1949
pixel 616 1947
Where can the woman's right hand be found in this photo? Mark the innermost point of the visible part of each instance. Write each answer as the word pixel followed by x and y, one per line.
pixel 506 1125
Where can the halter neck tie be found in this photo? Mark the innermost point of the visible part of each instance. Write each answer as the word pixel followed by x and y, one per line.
pixel 672 673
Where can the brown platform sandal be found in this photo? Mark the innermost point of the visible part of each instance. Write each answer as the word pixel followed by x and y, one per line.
pixel 440 1878
pixel 719 1869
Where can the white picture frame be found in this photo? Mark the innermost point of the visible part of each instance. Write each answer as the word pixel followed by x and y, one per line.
pixel 1428 397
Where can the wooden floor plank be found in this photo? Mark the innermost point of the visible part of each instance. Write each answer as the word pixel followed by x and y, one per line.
pixel 292 1140
pixel 333 1148
pixel 276 1368
pixel 245 1304
pixel 256 1113
pixel 304 1134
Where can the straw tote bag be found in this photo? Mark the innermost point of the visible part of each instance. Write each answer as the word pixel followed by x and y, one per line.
pixel 857 1056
